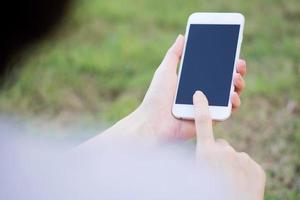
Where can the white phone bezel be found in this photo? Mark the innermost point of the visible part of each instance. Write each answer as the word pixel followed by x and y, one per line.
pixel 186 111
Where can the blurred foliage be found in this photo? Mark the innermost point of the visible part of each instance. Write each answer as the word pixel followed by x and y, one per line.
pixel 101 62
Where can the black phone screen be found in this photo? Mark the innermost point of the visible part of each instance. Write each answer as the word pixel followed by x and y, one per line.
pixel 208 63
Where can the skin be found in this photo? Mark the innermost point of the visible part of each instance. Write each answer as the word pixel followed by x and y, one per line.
pixel 160 96
pixel 153 122
pixel 146 120
pixel 244 177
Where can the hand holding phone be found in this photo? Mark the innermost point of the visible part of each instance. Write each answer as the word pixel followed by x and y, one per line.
pixel 210 55
pixel 154 114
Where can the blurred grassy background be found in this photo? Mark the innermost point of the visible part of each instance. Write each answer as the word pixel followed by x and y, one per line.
pixel 100 63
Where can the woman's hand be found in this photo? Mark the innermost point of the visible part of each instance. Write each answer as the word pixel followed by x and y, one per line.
pixel 243 177
pixel 153 118
pixel 155 111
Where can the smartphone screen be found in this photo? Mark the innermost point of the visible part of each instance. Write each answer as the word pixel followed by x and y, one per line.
pixel 208 63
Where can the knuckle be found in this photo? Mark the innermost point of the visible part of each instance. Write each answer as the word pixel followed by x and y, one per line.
pixel 222 141
pixel 229 149
pixel 204 117
pixel 245 160
pixel 244 156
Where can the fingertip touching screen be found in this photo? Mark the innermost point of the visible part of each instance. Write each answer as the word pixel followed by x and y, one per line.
pixel 208 63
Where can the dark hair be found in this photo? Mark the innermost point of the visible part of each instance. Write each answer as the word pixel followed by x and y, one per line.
pixel 25 22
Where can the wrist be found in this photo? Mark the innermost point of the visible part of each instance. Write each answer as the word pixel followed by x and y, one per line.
pixel 131 128
pixel 137 125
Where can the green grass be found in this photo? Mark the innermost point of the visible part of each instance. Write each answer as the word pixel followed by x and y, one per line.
pixel 101 62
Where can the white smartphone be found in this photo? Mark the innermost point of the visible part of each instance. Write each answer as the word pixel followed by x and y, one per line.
pixel 211 50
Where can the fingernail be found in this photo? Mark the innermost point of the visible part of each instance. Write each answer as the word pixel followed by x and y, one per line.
pixel 197 95
pixel 198 92
pixel 179 37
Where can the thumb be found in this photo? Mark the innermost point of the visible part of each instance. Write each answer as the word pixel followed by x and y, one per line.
pixel 203 120
pixel 173 55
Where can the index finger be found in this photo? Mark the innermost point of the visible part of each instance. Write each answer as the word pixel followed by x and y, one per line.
pixel 203 119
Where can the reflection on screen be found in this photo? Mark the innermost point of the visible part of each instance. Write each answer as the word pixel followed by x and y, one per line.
pixel 208 63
